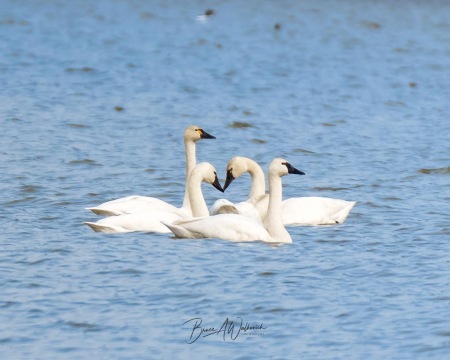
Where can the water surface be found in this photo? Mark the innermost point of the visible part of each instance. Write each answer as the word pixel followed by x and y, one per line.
pixel 94 99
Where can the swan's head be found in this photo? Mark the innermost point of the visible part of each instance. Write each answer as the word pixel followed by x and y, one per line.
pixel 282 167
pixel 208 174
pixel 235 168
pixel 195 133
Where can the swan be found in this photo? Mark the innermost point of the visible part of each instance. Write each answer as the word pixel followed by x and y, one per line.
pixel 257 191
pixel 151 220
pixel 297 211
pixel 138 203
pixel 236 227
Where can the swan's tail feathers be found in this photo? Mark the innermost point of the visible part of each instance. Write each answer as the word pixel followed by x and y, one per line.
pixel 105 228
pixel 181 232
pixel 103 212
pixel 342 215
pixel 178 231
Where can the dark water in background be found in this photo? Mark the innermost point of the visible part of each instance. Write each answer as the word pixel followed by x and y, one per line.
pixel 94 98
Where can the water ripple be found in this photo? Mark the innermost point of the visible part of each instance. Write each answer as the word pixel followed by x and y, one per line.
pixel 93 118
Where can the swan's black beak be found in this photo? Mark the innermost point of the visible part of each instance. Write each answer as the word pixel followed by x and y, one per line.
pixel 216 184
pixel 205 135
pixel 229 179
pixel 293 170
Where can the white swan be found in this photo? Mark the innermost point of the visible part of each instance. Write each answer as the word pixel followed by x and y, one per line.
pixel 309 210
pixel 138 203
pixel 241 165
pixel 236 227
pixel 151 220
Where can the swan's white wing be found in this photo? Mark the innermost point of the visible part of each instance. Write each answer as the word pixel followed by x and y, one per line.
pixel 148 221
pixel 313 210
pixel 223 206
pixel 246 209
pixel 223 226
pixel 132 204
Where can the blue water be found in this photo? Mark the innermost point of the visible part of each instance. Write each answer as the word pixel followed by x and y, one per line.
pixel 94 98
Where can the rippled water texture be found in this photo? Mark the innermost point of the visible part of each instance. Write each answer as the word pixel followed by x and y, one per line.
pixel 94 99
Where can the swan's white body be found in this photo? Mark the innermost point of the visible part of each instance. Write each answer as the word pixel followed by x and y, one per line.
pixel 312 210
pixel 148 221
pixel 236 227
pixel 137 203
pixel 297 211
pixel 151 220
pixel 233 227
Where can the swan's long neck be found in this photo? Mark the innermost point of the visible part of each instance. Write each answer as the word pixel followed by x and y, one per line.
pixel 191 161
pixel 258 187
pixel 198 204
pixel 274 220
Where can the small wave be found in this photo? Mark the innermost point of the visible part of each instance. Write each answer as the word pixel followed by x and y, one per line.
pixel 84 69
pixel 18 201
pixel 19 339
pixel 240 125
pixel 59 251
pixel 7 304
pixel 14 22
pixel 304 151
pixel 35 262
pixel 29 188
pixel 63 203
pixel 329 188
pixel 36 286
pixel 445 333
pixel 393 103
pixel 83 325
pixel 270 310
pixel 267 273
pixel 373 205
pixel 330 241
pixel 443 170
pixel 130 272
pixel 78 126
pixel 343 315
pixel 84 161
pixel 372 25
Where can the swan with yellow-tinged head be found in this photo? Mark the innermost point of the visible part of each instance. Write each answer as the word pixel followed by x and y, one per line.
pixel 138 203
